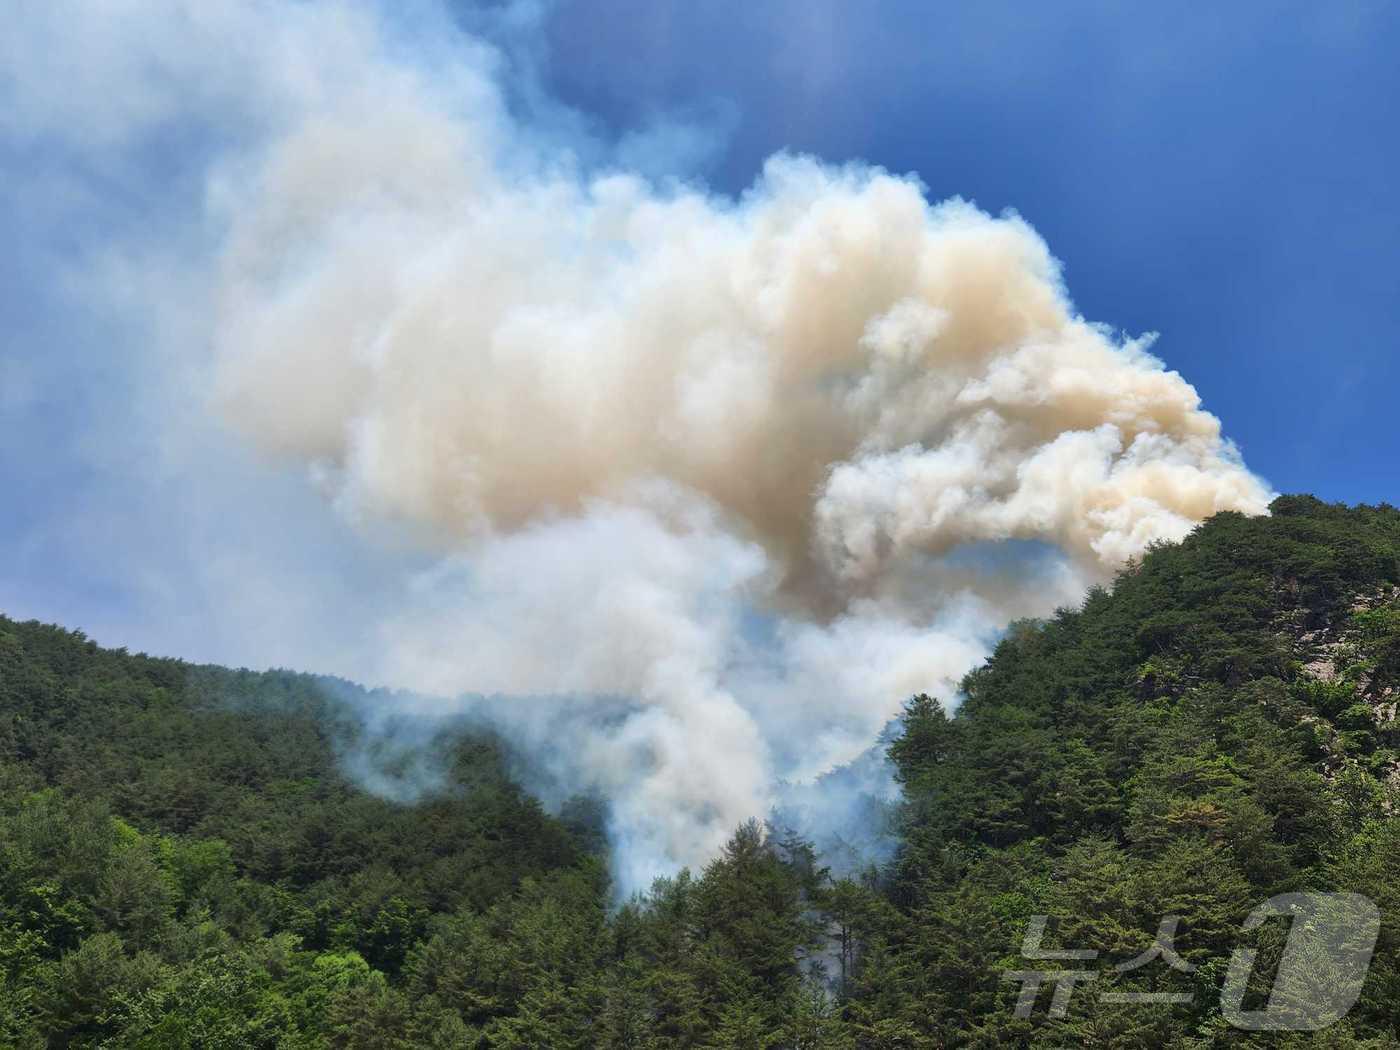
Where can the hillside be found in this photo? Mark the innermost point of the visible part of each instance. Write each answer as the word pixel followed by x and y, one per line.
pixel 183 857
pixel 185 862
pixel 1219 729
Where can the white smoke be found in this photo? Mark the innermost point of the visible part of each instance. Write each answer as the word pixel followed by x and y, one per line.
pixel 763 467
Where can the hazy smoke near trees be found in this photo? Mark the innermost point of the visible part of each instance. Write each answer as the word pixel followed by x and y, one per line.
pixel 725 480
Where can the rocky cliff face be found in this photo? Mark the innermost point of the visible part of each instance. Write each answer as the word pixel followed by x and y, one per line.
pixel 1346 663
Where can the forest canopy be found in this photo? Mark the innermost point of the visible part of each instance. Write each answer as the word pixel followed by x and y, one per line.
pixel 186 862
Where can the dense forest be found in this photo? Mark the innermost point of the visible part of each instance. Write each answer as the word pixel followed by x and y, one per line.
pixel 185 862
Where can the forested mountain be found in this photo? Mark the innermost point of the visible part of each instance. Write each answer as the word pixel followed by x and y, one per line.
pixel 185 863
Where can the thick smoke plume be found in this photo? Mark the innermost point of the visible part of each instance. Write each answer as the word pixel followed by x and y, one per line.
pixel 723 480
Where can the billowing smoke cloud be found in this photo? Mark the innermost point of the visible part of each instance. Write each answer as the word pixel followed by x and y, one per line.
pixel 717 482
pixel 848 373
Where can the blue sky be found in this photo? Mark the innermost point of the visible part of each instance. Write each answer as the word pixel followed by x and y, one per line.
pixel 1223 174
pixel 1220 174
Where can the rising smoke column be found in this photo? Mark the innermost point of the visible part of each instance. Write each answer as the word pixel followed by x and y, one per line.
pixel 717 482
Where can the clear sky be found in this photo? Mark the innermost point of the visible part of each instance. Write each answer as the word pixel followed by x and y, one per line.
pixel 1221 174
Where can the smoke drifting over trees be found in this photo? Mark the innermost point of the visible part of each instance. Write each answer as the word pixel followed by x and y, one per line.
pixel 762 468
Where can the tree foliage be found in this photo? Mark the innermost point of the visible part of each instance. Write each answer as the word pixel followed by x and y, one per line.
pixel 184 861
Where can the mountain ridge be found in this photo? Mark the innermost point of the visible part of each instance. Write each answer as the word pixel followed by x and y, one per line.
pixel 185 860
